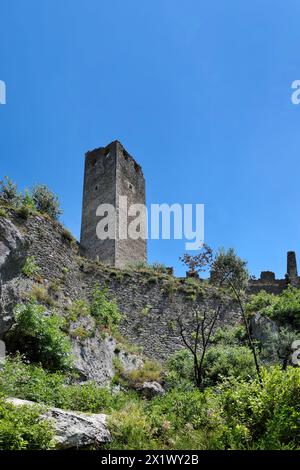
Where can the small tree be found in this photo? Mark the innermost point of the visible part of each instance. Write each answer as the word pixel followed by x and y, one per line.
pixel 46 202
pixel 228 270
pixel 200 262
pixel 280 343
pixel 203 322
pixel 9 192
pixel 198 338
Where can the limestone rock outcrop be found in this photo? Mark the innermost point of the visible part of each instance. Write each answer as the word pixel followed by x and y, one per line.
pixel 72 429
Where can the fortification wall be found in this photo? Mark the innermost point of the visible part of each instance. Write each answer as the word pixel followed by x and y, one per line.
pixel 151 303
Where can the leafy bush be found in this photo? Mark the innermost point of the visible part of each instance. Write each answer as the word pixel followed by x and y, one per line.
pixel 105 311
pixel 46 202
pixel 21 428
pixel 131 428
pixel 284 308
pixel 177 420
pixel 9 194
pixel 30 268
pixel 27 205
pixel 230 335
pixel 32 382
pixel 180 408
pixel 79 308
pixel 3 212
pixel 260 302
pixel 220 362
pixel 229 270
pixel 228 361
pixel 287 307
pixel 40 199
pixel 277 347
pixel 180 370
pixel 262 418
pixel 39 337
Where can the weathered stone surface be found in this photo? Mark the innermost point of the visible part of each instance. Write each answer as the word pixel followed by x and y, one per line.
pixel 262 326
pixel 149 309
pixel 151 389
pixel 12 245
pixel 73 429
pixel 111 172
pixel 94 359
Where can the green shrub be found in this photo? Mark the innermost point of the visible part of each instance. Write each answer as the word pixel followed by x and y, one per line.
pixel 277 346
pixel 177 420
pixel 181 366
pixel 24 211
pixel 21 428
pixel 9 194
pixel 30 268
pixel 150 371
pixel 26 206
pixel 39 336
pixel 284 308
pixel 40 199
pixel 228 361
pixel 221 361
pixel 262 418
pixel 79 308
pixel 131 428
pixel 81 333
pixel 182 419
pixel 3 212
pixel 32 382
pixel 105 311
pixel 230 335
pixel 46 202
pixel 181 407
pixel 260 302
pixel 38 293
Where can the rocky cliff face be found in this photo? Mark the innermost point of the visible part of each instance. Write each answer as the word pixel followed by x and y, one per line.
pixel 150 303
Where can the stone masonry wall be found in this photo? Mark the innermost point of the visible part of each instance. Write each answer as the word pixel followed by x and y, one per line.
pixel 149 303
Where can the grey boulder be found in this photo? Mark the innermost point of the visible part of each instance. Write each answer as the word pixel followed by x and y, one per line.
pixel 72 429
pixel 151 389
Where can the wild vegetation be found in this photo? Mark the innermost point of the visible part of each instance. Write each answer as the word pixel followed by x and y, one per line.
pixel 223 389
pixel 231 411
pixel 39 200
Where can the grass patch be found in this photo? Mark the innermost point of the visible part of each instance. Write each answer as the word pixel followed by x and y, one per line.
pixel 30 268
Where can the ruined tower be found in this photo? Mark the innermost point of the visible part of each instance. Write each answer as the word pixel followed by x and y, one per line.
pixel 292 269
pixel 110 172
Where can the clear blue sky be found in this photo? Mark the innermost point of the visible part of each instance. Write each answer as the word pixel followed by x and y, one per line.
pixel 198 91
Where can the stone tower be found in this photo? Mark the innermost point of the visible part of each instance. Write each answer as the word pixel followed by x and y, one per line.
pixel 292 269
pixel 110 172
